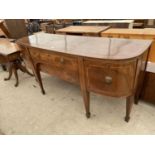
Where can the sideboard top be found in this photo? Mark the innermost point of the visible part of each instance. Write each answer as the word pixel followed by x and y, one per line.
pixel 93 47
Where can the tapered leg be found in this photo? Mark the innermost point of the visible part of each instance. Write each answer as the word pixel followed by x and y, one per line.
pixel 129 103
pixel 39 80
pixel 86 98
pixel 85 93
pixel 10 72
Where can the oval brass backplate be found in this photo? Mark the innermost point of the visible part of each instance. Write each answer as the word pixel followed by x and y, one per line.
pixel 62 60
pixel 108 79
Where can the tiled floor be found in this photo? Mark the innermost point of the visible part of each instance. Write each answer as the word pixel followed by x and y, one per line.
pixel 24 110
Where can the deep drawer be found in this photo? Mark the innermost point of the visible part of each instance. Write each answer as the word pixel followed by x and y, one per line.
pixel 110 78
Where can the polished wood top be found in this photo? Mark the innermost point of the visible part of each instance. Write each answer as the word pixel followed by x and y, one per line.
pixel 93 47
pixel 146 31
pixel 7 47
pixel 83 29
pixel 108 21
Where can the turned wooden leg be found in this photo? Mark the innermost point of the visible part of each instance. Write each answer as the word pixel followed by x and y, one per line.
pixel 10 72
pixel 129 103
pixel 86 99
pixel 39 80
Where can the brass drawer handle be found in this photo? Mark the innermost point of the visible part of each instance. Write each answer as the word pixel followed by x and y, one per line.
pixel 62 60
pixel 108 79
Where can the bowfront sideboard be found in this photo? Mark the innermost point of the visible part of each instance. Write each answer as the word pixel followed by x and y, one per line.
pixel 113 67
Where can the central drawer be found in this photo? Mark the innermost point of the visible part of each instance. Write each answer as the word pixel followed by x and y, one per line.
pixel 114 78
pixel 61 65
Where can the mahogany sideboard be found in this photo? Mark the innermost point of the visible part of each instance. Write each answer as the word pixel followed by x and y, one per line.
pixel 83 30
pixel 112 67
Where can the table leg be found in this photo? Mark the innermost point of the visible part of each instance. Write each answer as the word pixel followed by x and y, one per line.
pixel 86 99
pixel 129 103
pixel 39 80
pixel 10 72
pixel 13 67
pixel 85 93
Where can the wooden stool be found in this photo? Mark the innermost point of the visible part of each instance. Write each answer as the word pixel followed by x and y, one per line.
pixel 10 54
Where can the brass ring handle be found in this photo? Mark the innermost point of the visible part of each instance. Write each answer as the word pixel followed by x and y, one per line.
pixel 108 79
pixel 62 60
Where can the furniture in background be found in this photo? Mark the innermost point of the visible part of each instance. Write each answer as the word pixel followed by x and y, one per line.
pixel 139 23
pixel 111 23
pixel 2 34
pixel 148 93
pixel 16 28
pixel 4 29
pixel 10 54
pixel 83 30
pixel 113 67
pixel 147 33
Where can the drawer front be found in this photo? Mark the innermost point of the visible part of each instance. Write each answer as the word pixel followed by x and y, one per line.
pixel 114 79
pixel 110 35
pixel 61 65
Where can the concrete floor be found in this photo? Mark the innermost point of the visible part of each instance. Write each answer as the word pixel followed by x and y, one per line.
pixel 24 110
